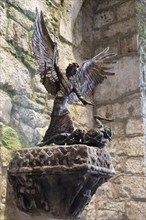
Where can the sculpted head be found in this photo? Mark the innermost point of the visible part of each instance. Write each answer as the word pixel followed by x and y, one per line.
pixel 71 69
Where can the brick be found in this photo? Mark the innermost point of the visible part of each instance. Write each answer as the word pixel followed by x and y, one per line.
pixel 125 10
pixel 120 28
pixel 128 44
pixel 135 126
pixel 103 18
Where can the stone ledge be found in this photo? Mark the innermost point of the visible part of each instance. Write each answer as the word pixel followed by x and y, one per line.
pixel 59 180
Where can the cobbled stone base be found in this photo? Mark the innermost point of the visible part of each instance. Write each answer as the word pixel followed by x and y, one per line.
pixel 59 180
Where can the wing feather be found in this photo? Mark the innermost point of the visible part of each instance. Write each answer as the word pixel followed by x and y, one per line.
pixel 92 72
pixel 43 49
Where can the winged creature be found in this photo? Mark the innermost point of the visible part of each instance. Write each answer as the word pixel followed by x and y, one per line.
pixel 69 87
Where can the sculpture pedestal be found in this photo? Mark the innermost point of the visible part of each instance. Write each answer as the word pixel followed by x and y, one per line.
pixel 59 180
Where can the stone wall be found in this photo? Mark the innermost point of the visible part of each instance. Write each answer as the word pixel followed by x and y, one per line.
pixel 121 97
pixel 26 106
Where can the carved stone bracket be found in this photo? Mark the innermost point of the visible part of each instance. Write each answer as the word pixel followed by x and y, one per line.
pixel 59 180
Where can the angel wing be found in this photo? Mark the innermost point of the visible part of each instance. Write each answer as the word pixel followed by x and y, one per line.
pixel 45 54
pixel 91 73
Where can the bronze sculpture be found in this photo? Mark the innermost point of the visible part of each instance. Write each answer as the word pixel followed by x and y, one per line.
pixel 72 87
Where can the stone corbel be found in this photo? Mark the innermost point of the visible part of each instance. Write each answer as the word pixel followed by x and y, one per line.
pixel 59 180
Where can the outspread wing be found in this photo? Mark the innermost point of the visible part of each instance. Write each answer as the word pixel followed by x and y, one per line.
pixel 43 49
pixel 91 73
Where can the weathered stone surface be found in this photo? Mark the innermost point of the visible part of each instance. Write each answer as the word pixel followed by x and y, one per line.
pixel 32 135
pixel 104 5
pixel 121 41
pixel 124 108
pixel 3 20
pixel 133 146
pixel 122 11
pixel 68 18
pixel 103 18
pixel 125 81
pixel 28 7
pixel 18 36
pixel 123 27
pixel 104 43
pixel 64 178
pixel 79 114
pixel 10 79
pixel 128 44
pixel 135 165
pixel 135 126
pixel 25 102
pixel 5 157
pixel 136 209
pixel 10 138
pixel 5 107
pixel 20 18
pixel 130 186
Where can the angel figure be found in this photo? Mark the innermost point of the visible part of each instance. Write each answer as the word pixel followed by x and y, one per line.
pixel 68 88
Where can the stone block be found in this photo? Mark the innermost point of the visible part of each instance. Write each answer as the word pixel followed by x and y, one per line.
pixel 128 107
pixel 135 165
pixel 103 18
pixel 108 214
pixel 31 134
pixel 5 107
pixel 10 80
pixel 136 210
pixel 130 186
pixel 103 43
pixel 110 205
pixel 128 44
pixel 106 3
pixel 125 10
pixel 30 117
pixel 132 146
pixel 20 18
pixel 25 102
pixel 120 28
pixel 59 180
pixel 118 128
pixel 135 126
pixel 82 116
pixel 26 6
pixel 125 81
pixel 96 36
pixel 18 36
pixel 3 20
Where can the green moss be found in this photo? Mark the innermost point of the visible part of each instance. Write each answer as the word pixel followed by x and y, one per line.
pixel 23 140
pixel 10 138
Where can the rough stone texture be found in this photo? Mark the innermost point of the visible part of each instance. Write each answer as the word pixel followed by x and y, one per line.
pixel 119 97
pixel 59 180
pixel 123 103
pixel 6 107
pixel 31 105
